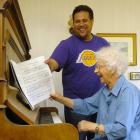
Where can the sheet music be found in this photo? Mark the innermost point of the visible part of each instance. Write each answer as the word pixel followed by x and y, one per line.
pixel 35 79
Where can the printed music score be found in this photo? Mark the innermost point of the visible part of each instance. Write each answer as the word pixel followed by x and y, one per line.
pixel 34 79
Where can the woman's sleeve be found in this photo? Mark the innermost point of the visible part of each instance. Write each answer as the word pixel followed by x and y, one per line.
pixel 87 106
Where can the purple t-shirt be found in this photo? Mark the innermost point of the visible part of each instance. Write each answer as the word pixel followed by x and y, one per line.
pixel 77 59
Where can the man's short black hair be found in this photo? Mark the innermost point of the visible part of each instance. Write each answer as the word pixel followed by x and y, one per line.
pixel 83 8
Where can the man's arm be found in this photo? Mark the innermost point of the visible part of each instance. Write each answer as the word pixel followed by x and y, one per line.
pixel 52 64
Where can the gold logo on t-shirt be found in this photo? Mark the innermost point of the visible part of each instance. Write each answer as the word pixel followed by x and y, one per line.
pixel 87 57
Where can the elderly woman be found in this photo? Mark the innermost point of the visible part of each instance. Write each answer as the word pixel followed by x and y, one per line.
pixel 117 103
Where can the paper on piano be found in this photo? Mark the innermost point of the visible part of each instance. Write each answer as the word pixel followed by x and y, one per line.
pixel 34 79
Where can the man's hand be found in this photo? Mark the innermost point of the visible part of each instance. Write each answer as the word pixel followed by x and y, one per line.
pixel 52 64
pixel 55 95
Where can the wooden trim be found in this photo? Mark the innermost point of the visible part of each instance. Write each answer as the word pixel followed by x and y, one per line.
pixel 15 47
pixel 62 131
pixel 17 107
pixel 1 43
pixel 2 2
pixel 15 18
pixel 3 106
pixel 18 11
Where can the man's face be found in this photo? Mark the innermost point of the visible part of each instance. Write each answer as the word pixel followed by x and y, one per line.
pixel 82 25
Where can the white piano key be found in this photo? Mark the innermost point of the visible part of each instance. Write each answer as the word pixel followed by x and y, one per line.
pixel 56 118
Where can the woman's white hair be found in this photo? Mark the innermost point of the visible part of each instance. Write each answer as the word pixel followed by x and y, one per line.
pixel 115 58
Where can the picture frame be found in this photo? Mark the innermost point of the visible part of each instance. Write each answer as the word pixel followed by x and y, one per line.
pixel 134 75
pixel 127 42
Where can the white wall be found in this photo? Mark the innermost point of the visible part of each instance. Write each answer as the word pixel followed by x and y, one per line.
pixel 46 23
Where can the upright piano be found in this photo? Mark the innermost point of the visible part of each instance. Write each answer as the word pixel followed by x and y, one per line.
pixel 17 121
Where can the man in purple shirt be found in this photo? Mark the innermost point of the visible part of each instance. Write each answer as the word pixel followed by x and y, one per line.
pixel 76 56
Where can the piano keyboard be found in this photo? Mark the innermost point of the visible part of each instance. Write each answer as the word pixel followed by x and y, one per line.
pixel 49 117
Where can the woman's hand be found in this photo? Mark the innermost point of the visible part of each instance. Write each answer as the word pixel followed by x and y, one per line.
pixel 86 126
pixel 61 99
pixel 91 126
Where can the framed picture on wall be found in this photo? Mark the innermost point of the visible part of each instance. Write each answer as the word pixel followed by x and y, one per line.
pixel 134 75
pixel 126 41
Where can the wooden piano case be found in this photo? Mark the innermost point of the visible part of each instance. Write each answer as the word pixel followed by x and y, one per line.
pixel 14 44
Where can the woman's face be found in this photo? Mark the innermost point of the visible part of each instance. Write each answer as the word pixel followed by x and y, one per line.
pixel 103 72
